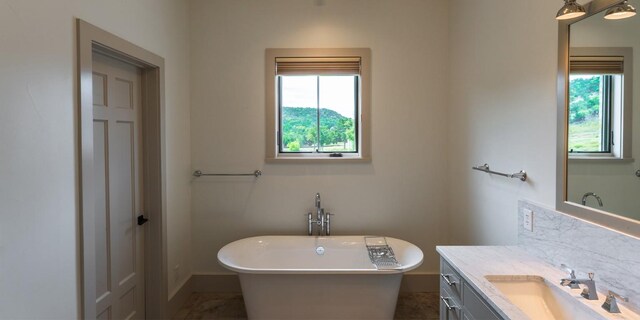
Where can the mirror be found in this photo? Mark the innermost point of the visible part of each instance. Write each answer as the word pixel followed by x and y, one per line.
pixel 599 118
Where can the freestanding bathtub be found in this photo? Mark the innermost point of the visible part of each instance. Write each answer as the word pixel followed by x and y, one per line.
pixel 305 277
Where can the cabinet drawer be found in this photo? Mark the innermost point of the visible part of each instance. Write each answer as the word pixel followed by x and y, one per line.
pixel 474 305
pixel 450 306
pixel 450 278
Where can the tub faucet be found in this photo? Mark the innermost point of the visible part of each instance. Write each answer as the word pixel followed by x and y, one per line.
pixel 320 214
pixel 586 195
pixel 323 220
pixel 589 292
pixel 318 206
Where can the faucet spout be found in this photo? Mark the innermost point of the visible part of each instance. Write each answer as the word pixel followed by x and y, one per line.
pixel 318 206
pixel 589 292
pixel 587 195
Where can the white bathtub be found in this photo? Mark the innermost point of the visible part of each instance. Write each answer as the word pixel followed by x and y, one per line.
pixel 284 277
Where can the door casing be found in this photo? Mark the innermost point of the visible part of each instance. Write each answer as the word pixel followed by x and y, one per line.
pixel 92 39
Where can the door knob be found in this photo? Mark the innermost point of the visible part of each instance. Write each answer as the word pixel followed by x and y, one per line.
pixel 142 220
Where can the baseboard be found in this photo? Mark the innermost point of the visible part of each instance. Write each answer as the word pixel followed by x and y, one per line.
pixel 229 283
pixel 180 297
pixel 420 282
pixel 218 283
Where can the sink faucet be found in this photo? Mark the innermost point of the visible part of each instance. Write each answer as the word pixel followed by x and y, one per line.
pixel 323 220
pixel 589 292
pixel 586 195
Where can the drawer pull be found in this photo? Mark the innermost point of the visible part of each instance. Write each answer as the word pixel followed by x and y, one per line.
pixel 446 279
pixel 446 303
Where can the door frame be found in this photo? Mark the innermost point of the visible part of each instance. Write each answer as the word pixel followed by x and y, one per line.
pixel 92 39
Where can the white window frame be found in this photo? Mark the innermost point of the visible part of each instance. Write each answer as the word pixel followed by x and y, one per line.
pixel 272 150
pixel 621 106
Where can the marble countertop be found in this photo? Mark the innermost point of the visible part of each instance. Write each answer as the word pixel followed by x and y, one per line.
pixel 474 263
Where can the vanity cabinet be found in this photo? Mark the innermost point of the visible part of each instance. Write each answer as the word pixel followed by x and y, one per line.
pixel 458 301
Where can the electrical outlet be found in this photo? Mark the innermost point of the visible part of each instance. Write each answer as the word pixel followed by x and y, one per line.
pixel 528 219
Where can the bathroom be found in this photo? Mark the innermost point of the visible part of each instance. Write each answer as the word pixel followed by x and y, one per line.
pixel 456 84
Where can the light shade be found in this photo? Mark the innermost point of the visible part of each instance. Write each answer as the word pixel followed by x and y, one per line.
pixel 620 11
pixel 570 10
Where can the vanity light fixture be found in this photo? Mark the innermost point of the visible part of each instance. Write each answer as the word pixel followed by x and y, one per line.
pixel 620 11
pixel 570 10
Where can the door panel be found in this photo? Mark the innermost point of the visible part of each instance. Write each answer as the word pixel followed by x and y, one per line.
pixel 105 315
pixel 122 199
pixel 99 89
pixel 102 220
pixel 118 171
pixel 128 304
pixel 122 93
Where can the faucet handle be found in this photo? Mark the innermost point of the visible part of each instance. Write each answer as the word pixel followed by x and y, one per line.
pixel 572 272
pixel 610 304
pixel 310 223
pixel 615 295
pixel 572 275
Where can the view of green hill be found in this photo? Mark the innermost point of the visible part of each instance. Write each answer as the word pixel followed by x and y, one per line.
pixel 584 114
pixel 584 98
pixel 300 130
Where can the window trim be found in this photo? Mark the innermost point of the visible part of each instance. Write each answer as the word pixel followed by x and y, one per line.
pixel 363 130
pixel 620 121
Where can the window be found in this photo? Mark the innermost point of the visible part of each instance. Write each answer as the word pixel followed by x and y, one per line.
pixel 590 110
pixel 317 104
pixel 597 103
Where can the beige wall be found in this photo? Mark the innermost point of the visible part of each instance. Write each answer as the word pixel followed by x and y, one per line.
pixel 38 160
pixel 401 193
pixel 502 111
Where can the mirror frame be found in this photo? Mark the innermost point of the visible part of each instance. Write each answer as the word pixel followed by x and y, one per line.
pixel 606 219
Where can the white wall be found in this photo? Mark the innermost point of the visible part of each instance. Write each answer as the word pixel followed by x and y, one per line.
pixel 502 112
pixel 401 193
pixel 455 84
pixel 38 160
pixel 614 181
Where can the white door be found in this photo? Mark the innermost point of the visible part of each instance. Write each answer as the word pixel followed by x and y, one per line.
pixel 118 173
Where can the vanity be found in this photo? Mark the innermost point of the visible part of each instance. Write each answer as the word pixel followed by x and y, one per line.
pixel 515 282
pixel 506 282
pixel 458 298
pixel 595 225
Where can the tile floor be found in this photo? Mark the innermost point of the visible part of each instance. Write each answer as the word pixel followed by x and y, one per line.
pixel 229 306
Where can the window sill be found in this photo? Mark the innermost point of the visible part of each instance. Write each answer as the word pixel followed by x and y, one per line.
pixel 599 159
pixel 309 159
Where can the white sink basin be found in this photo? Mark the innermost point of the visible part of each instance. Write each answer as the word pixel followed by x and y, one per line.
pixel 539 299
